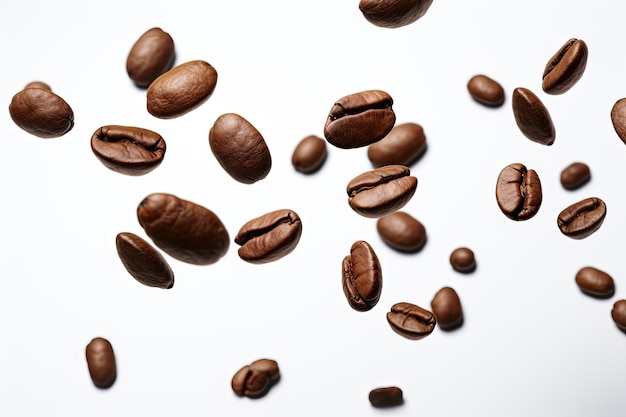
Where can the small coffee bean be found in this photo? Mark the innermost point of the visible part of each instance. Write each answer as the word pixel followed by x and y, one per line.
pixel 411 321
pixel 128 150
pixel 518 192
pixel 240 149
pixel 382 191
pixel 143 262
pixel 393 13
pixel 486 90
pixel 309 155
pixel 38 84
pixel 618 313
pixel 532 117
pixel 256 379
pixel 402 232
pixel 595 282
pixel 618 118
pixel 269 237
pixel 463 260
pixel 565 67
pixel 181 89
pixel 583 218
pixel 386 397
pixel 575 175
pixel 403 145
pixel 360 119
pixel 446 306
pixel 362 277
pixel 101 362
pixel 152 55
pixel 41 113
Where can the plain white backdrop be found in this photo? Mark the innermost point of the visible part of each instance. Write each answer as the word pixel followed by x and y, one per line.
pixel 531 344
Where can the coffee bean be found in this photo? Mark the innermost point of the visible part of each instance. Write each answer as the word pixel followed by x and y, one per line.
pixel 309 155
pixel 403 145
pixel 152 55
pixel 360 119
pixel 575 175
pixel 128 150
pixel 181 89
pixel 618 118
pixel 463 260
pixel 486 90
pixel 386 397
pixel 269 237
pixel 583 218
pixel 565 67
pixel 532 117
pixel 518 192
pixel 446 306
pixel 618 313
pixel 184 230
pixel 381 191
pixel 38 84
pixel 256 379
pixel 41 113
pixel 402 232
pixel 240 149
pixel 595 282
pixel 393 13
pixel 143 262
pixel 362 277
pixel 411 321
pixel 101 362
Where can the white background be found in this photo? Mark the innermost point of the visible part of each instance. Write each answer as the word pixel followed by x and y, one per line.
pixel 531 344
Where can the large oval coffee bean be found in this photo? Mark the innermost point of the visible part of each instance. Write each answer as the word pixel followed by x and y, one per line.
pixel 184 230
pixel 565 67
pixel 152 55
pixel 41 113
pixel 381 191
pixel 393 13
pixel 583 218
pixel 532 117
pixel 181 89
pixel 128 150
pixel 269 237
pixel 362 277
pixel 101 362
pixel 240 149
pixel 518 192
pixel 411 321
pixel 402 232
pixel 309 155
pixel 486 91
pixel 595 282
pixel 575 175
pixel 386 397
pixel 143 262
pixel 360 119
pixel 618 118
pixel 463 260
pixel 256 379
pixel 403 145
pixel 446 306
pixel 618 314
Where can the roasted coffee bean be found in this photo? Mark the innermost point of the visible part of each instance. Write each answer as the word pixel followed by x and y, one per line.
pixel 518 192
pixel 101 362
pixel 583 218
pixel 565 67
pixel 128 150
pixel 256 379
pixel 575 175
pixel 402 232
pixel 184 230
pixel 38 84
pixel 309 155
pixel 269 237
pixel 618 118
pixel 360 119
pixel 618 313
pixel 152 55
pixel 486 90
pixel 41 112
pixel 532 117
pixel 181 89
pixel 463 260
pixel 381 191
pixel 143 262
pixel 393 13
pixel 403 145
pixel 446 306
pixel 240 149
pixel 411 321
pixel 595 282
pixel 362 277
pixel 386 397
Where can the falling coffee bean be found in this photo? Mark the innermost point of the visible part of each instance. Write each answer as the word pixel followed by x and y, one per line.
pixel 402 232
pixel 532 117
pixel 384 397
pixel 618 313
pixel 582 219
pixel 362 277
pixel 143 262
pixel 393 13
pixel 41 112
pixel 565 67
pixel 486 91
pixel 575 175
pixel 101 362
pixel 256 379
pixel 152 55
pixel 446 306
pixel 309 155
pixel 594 282
pixel 463 260
pixel 518 192
pixel 411 321
pixel 403 145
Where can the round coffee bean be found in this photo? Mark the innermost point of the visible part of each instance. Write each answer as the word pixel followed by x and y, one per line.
pixel 463 260
pixel 518 192
pixel 402 232
pixel 583 218
pixel 256 379
pixel 309 155
pixel 618 118
pixel 386 397
pixel 41 113
pixel 595 282
pixel 38 84
pixel 152 55
pixel 618 313
pixel 446 306
pixel 565 67
pixel 486 90
pixel 101 362
pixel 393 13
pixel 143 262
pixel 403 145
pixel 411 321
pixel 532 117
pixel 575 175
pixel 362 277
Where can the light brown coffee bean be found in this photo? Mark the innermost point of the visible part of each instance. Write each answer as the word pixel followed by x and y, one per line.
pixel 463 260
pixel 41 113
pixel 403 145
pixel 583 218
pixel 446 306
pixel 618 314
pixel 38 84
pixel 411 321
pixel 594 282
pixel 486 91
pixel 143 262
pixel 386 397
pixel 518 192
pixel 393 13
pixel 256 379
pixel 402 232
pixel 101 362
pixel 618 118
pixel 575 175
pixel 309 155
pixel 151 55
pixel 362 277
pixel 532 117
pixel 565 67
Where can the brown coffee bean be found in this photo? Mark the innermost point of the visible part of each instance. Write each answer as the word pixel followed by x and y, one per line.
pixel 269 237
pixel 309 155
pixel 152 55
pixel 256 379
pixel 595 282
pixel 128 150
pixel 486 90
pixel 575 175
pixel 362 277
pixel 618 118
pixel 240 149
pixel 463 260
pixel 38 84
pixel 583 218
pixel 532 117
pixel 411 321
pixel 184 230
pixel 403 145
pixel 565 67
pixel 143 262
pixel 41 113
pixel 181 89
pixel 402 232
pixel 381 191
pixel 101 362
pixel 393 13
pixel 386 397
pixel 518 192
pixel 360 119
pixel 618 314
pixel 446 306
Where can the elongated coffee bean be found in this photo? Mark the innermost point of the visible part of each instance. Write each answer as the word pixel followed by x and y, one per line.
pixel 583 218
pixel 362 277
pixel 309 155
pixel 152 55
pixel 256 379
pixel 411 321
pixel 518 192
pixel 486 91
pixel 101 362
pixel 386 397
pixel 143 262
pixel 595 282
pixel 403 145
pixel 575 175
pixel 565 67
pixel 393 13
pixel 402 232
pixel 532 117
pixel 41 112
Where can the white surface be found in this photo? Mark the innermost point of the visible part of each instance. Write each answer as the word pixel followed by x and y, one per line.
pixel 531 344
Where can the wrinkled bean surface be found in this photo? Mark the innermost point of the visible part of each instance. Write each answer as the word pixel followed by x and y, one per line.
pixel 411 321
pixel 41 113
pixel 362 277
pixel 583 218
pixel 565 67
pixel 518 192
pixel 256 379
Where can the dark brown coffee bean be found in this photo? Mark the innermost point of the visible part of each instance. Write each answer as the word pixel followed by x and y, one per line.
pixel 402 232
pixel 269 237
pixel 565 67
pixel 128 150
pixel 256 379
pixel 393 13
pixel 151 56
pixel 360 119
pixel 575 175
pixel 381 191
pixel 309 155
pixel 463 260
pixel 240 149
pixel 184 230
pixel 518 192
pixel 101 362
pixel 38 84
pixel 411 321
pixel 618 314
pixel 532 117
pixel 386 397
pixel 181 89
pixel 362 277
pixel 41 113
pixel 583 218
pixel 143 262
pixel 403 145
pixel 446 306
pixel 618 118
pixel 595 282
pixel 486 90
